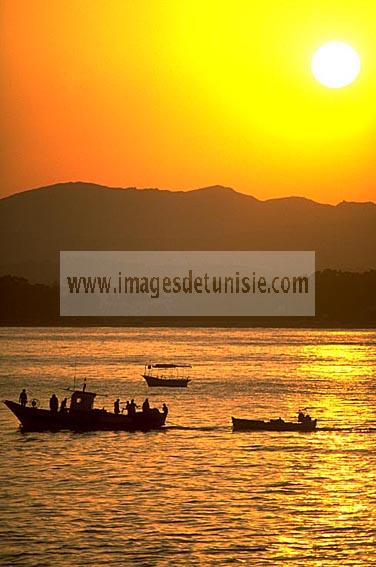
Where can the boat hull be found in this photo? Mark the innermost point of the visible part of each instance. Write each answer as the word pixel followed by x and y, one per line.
pixel 35 419
pixel 272 425
pixel 155 382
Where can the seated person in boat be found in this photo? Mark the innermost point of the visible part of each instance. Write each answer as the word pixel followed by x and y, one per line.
pixel 54 403
pixel 117 406
pixel 304 418
pixel 23 398
pixel 165 409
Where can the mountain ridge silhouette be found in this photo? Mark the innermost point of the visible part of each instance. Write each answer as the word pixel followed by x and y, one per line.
pixel 220 188
pixel 36 224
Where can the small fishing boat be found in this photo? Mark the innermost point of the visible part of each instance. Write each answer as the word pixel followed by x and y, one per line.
pixel 155 377
pixel 305 424
pixel 81 416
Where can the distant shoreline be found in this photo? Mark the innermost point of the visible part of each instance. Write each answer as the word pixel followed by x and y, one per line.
pixel 194 323
pixel 343 300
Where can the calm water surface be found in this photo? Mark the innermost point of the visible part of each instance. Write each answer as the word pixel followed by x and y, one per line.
pixel 196 493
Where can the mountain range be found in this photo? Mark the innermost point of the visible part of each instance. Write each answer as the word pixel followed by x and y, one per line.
pixel 36 224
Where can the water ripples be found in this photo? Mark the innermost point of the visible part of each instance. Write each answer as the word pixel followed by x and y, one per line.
pixel 196 493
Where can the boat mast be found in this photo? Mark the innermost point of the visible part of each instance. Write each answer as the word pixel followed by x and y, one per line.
pixel 75 368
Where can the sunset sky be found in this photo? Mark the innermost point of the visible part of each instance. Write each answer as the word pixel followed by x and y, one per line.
pixel 180 94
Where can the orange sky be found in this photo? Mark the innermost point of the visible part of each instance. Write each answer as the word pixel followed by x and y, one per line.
pixel 186 93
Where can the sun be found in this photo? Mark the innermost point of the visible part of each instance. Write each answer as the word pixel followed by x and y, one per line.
pixel 335 64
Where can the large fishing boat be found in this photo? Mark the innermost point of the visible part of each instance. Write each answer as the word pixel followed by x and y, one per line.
pixel 81 416
pixel 305 424
pixel 156 376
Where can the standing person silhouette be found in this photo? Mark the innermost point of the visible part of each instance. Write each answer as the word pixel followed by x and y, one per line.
pixel 132 408
pixel 54 403
pixel 63 406
pixel 23 398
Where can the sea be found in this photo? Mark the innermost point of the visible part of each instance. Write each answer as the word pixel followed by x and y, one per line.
pixel 194 493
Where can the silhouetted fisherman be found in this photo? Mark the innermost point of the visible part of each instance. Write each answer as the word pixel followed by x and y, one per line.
pixel 127 406
pixel 23 398
pixel 300 416
pixel 165 409
pixel 54 403
pixel 146 406
pixel 132 408
pixel 117 406
pixel 63 406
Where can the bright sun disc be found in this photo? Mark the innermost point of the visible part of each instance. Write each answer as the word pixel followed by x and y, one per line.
pixel 335 64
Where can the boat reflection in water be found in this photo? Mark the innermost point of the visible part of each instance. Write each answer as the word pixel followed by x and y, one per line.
pixel 154 379
pixel 305 424
pixel 81 416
